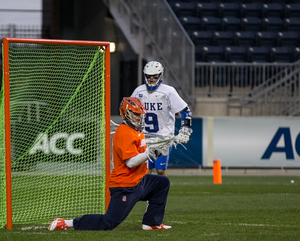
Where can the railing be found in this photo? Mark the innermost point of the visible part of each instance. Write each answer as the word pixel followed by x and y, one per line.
pixel 262 89
pixel 155 32
pixel 21 31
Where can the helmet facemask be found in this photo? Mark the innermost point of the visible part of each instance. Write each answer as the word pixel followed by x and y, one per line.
pixel 135 120
pixel 133 112
pixel 153 81
pixel 153 75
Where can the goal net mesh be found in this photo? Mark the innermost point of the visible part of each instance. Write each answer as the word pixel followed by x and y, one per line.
pixel 57 122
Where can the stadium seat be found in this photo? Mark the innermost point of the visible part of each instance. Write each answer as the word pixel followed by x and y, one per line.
pixel 272 10
pixel 199 57
pixel 296 52
pixel 231 24
pixel 211 23
pixel 213 54
pixel 251 24
pixel 272 24
pixel 183 8
pixel 287 38
pixel 229 10
pixel 292 24
pixel 190 23
pixel 223 38
pixel 245 38
pixel 258 54
pixel 282 54
pixel 206 9
pixel 266 38
pixel 202 37
pixel 235 54
pixel 292 10
pixel 251 10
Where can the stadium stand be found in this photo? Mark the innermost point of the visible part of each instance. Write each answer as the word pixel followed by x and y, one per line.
pixel 223 38
pixel 258 54
pixel 252 24
pixel 292 10
pixel 250 10
pixel 245 38
pixel 183 9
pixel 229 10
pixel 288 38
pixel 202 37
pixel 272 10
pixel 190 23
pixel 291 24
pixel 231 24
pixel 260 24
pixel 213 54
pixel 206 9
pixel 272 24
pixel 282 54
pixel 266 38
pixel 235 54
pixel 210 23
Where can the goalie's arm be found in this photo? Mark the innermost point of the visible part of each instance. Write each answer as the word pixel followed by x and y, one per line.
pixel 150 153
pixel 137 160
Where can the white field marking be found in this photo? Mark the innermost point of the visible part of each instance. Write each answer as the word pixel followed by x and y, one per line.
pixel 259 225
pixel 211 234
pixel 34 227
pixel 179 222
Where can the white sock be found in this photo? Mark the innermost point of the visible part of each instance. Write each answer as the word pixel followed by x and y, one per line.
pixel 69 223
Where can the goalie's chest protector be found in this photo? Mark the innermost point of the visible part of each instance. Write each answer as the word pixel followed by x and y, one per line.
pixel 161 106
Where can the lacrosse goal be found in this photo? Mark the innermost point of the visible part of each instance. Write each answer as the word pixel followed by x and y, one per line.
pixel 54 130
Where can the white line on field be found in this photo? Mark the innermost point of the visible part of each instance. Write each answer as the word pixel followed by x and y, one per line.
pixel 259 225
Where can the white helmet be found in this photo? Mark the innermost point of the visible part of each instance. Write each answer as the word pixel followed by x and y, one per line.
pixel 153 68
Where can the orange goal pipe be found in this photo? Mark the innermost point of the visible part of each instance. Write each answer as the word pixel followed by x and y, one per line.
pixel 7 135
pixel 7 110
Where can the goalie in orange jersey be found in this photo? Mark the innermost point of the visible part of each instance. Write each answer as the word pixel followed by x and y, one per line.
pixel 128 181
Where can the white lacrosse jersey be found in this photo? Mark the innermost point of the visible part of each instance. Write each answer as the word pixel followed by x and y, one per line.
pixel 161 105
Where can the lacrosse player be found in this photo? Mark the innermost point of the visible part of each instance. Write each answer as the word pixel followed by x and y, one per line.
pixel 162 102
pixel 128 181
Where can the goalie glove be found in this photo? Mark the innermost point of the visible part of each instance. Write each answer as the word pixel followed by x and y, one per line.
pixel 155 150
pixel 184 135
pixel 153 153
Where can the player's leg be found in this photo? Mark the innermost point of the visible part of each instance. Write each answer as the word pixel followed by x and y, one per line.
pixel 161 164
pixel 121 203
pixel 155 191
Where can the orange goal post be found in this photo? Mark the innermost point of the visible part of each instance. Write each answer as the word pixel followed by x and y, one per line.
pixel 54 129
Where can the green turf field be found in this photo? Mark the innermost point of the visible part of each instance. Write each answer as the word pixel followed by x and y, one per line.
pixel 241 208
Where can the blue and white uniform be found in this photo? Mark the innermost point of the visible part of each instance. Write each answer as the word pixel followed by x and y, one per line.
pixel 161 105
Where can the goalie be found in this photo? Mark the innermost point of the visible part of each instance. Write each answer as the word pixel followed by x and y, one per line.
pixel 162 102
pixel 128 181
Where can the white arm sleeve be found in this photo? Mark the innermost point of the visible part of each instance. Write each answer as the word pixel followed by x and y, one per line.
pixel 137 160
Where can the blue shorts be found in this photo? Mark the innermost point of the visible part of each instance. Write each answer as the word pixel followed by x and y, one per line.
pixel 161 163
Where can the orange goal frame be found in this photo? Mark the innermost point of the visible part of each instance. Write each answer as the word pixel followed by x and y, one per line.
pixel 6 42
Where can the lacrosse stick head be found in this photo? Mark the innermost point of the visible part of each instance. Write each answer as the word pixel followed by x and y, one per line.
pixel 153 75
pixel 133 112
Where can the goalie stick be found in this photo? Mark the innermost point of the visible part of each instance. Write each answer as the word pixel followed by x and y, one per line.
pixel 154 139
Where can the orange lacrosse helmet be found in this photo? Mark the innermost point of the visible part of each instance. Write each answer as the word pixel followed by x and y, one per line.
pixel 133 112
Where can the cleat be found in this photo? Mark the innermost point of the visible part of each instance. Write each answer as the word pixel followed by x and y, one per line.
pixel 58 224
pixel 160 227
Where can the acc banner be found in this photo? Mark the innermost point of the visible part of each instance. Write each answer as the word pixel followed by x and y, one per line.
pixel 191 156
pixel 252 141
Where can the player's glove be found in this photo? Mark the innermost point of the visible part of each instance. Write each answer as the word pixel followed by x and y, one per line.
pixel 153 153
pixel 184 134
